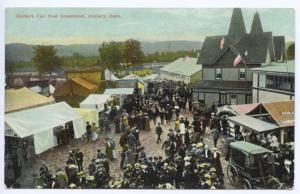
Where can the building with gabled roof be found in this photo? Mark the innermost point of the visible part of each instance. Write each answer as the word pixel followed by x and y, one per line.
pixel 182 69
pixel 227 61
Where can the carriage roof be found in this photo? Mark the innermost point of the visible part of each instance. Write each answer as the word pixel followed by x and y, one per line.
pixel 249 147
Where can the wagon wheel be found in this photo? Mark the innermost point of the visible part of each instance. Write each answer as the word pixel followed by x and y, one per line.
pixel 246 184
pixel 233 175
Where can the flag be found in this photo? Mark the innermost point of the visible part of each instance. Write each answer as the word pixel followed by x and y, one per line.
pixel 237 60
pixel 222 43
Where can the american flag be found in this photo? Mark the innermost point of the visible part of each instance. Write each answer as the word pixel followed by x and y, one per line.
pixel 222 43
pixel 237 60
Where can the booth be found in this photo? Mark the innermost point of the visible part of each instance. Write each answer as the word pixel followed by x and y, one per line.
pixel 252 124
pixel 88 115
pixel 120 93
pixel 95 101
pixel 40 123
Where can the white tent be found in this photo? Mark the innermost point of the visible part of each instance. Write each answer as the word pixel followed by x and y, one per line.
pixel 52 89
pixel 36 89
pixel 40 122
pixel 95 101
pixel 109 75
pixel 119 91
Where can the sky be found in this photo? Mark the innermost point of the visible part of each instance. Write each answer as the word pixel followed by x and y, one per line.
pixel 51 26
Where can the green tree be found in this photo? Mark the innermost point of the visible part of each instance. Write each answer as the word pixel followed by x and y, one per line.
pixel 45 59
pixel 291 52
pixel 111 55
pixel 133 53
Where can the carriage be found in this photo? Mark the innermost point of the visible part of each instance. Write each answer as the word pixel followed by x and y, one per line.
pixel 248 167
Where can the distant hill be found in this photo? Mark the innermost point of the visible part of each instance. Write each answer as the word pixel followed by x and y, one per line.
pixel 177 45
pixel 23 52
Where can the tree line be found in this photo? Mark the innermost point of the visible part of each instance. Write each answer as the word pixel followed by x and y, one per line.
pixel 116 56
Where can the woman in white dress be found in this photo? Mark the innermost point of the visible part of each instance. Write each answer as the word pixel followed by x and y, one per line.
pixel 94 132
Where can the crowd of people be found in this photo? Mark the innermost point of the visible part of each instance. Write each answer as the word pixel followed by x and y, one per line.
pixel 189 162
pixel 19 154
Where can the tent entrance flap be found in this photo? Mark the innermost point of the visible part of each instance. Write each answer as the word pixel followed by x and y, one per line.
pixel 44 140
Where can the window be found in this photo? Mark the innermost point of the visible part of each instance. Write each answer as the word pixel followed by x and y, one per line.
pixel 242 73
pixel 233 99
pixel 261 80
pixel 201 98
pixel 248 99
pixel 280 82
pixel 218 73
pixel 222 97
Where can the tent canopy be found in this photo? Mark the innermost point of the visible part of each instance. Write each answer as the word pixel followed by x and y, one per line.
pixel 109 75
pixel 24 98
pixel 252 123
pixel 40 119
pixel 95 101
pixel 89 115
pixel 119 91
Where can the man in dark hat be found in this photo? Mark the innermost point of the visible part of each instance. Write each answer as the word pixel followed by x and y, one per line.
pixel 88 128
pixel 71 158
pixel 79 159
pixel 158 132
pixel 131 139
pixel 92 167
pixel 215 136
pixel 100 155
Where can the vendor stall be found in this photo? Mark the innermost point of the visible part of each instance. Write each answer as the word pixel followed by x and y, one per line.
pixel 95 101
pixel 40 123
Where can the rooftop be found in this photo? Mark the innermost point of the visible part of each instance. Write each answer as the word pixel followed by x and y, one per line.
pixel 288 67
pixel 93 69
pixel 282 112
pixel 255 47
pixel 184 66
pixel 24 98
pixel 221 84
pixel 249 147
pixel 84 83
pixel 251 123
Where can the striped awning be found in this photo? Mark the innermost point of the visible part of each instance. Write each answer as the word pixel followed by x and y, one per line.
pixel 282 112
pixel 243 109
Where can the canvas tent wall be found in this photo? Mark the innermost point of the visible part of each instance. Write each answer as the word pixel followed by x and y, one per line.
pixel 88 115
pixel 40 121
pixel 95 101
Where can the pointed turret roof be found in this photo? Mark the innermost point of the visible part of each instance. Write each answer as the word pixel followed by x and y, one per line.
pixel 237 27
pixel 256 24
